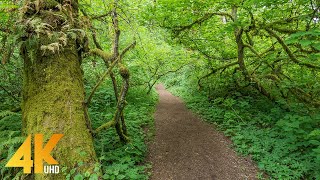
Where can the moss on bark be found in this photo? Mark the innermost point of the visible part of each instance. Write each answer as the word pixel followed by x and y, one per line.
pixel 53 99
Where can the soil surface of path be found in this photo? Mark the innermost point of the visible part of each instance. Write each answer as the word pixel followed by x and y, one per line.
pixel 186 148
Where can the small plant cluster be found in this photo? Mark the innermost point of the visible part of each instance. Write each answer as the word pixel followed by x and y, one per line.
pixel 118 160
pixel 73 174
pixel 284 143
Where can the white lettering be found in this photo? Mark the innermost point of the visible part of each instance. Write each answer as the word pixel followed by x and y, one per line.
pixel 51 169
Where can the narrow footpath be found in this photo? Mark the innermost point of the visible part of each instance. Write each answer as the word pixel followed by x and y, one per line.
pixel 186 148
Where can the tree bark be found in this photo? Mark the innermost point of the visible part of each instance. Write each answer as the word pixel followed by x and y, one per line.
pixel 53 89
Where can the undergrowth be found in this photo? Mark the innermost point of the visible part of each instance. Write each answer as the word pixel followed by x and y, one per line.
pixel 10 140
pixel 284 143
pixel 116 160
pixel 123 161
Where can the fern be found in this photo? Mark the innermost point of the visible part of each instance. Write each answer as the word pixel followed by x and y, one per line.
pixel 6 113
pixel 10 140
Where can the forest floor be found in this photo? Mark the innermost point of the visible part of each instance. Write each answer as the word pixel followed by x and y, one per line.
pixel 187 148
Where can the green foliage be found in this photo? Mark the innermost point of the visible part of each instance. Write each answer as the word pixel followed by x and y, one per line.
pixel 282 71
pixel 285 144
pixel 123 161
pixel 74 174
pixel 10 141
pixel 278 130
pixel 306 39
pixel 116 160
pixel 10 84
pixel 283 136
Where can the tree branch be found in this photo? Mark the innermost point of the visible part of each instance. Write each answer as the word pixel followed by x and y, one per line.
pixel 105 56
pixel 100 16
pixel 206 17
pixel 289 52
pixel 163 74
pixel 125 50
pixel 93 17
pixel 105 126
pixel 117 31
pixel 100 81
pixel 252 50
pixel 286 31
pixel 120 106
pixel 216 70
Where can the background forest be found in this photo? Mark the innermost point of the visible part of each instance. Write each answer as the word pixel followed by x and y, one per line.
pixel 250 67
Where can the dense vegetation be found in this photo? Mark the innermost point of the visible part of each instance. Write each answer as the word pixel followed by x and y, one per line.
pixel 119 155
pixel 249 67
pixel 257 77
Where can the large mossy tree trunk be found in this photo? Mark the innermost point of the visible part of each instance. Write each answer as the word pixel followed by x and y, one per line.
pixel 53 89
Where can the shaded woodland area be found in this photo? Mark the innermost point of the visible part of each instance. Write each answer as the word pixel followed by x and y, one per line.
pixel 87 69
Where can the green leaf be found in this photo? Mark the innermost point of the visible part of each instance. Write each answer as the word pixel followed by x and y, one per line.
pixel 94 177
pixel 78 177
pixel 68 177
pixel 106 176
pixel 64 169
pixel 315 133
pixel 314 142
pixel 96 169
pixel 116 172
pixel 316 46
pixel 305 42
pixel 121 176
pixel 291 40
pixel 87 174
pixel 72 171
pixel 317 150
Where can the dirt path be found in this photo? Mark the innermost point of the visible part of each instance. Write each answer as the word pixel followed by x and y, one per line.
pixel 187 148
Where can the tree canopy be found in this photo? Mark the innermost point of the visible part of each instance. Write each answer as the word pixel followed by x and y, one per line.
pixel 249 66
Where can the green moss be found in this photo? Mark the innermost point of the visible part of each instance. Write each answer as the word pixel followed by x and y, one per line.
pixel 124 72
pixel 53 102
pixel 49 4
pixel 105 56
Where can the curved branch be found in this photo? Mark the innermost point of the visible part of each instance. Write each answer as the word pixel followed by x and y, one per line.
pixel 161 75
pixel 100 16
pixel 108 57
pixel 216 70
pixel 125 50
pixel 252 50
pixel 289 52
pixel 93 17
pixel 286 31
pixel 288 20
pixel 206 17
pixel 105 126
pixel 100 81
pixel 120 106
pixel 105 56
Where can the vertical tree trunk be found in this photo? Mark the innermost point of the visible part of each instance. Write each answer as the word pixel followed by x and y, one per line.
pixel 240 53
pixel 53 89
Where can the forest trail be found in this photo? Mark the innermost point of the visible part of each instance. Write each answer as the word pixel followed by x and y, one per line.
pixel 187 148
